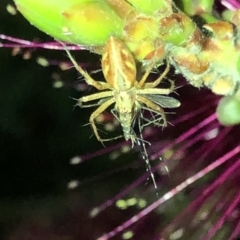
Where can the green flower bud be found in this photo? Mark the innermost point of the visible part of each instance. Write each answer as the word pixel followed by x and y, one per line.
pixel 196 7
pixel 91 23
pixel 228 111
pixel 151 6
pixel 45 15
pixel 86 22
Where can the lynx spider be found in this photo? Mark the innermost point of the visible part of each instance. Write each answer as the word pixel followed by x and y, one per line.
pixel 123 89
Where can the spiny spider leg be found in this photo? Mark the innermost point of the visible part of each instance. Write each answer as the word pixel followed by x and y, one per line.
pixel 165 91
pixel 88 78
pixel 95 114
pixel 159 79
pixel 142 81
pixel 156 119
pixel 153 106
pixel 95 96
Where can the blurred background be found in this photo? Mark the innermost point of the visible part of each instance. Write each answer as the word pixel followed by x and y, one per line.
pixel 41 131
pixel 46 194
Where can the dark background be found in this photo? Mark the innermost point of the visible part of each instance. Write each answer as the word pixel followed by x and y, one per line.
pixel 40 131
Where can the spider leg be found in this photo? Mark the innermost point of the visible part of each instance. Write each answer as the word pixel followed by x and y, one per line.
pixel 89 80
pixel 154 107
pixel 94 96
pixel 155 120
pixel 98 111
pixel 159 79
pixel 142 81
pixel 157 91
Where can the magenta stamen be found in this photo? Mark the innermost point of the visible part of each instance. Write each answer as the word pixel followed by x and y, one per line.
pixel 28 44
pixel 171 193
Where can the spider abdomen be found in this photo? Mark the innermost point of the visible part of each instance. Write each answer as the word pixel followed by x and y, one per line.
pixel 118 65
